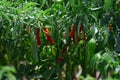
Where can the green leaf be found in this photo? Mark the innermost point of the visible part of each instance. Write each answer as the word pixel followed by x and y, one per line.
pixel 81 42
pixel 8 68
pixel 91 46
pixel 47 74
pixel 6 16
pixel 43 3
pixel 108 5
pixel 8 72
pixel 10 76
pixel 95 9
pixel 72 2
pixel 93 30
pixel 94 17
pixel 85 20
pixel 91 49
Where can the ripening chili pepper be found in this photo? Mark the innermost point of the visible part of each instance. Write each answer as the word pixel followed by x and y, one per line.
pixel 59 59
pixel 46 30
pixel 85 38
pixel 38 36
pixel 64 35
pixel 28 30
pixel 50 39
pixel 64 50
pixel 47 34
pixel 110 28
pixel 72 33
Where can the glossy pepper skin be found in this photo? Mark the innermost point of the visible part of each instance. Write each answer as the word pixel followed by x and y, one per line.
pixel 47 34
pixel 46 30
pixel 38 36
pixel 50 39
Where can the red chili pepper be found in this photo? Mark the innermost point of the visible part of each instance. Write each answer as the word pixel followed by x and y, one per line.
pixel 64 35
pixel 59 60
pixel 85 38
pixel 110 28
pixel 50 39
pixel 72 33
pixel 63 50
pixel 47 34
pixel 28 30
pixel 46 30
pixel 38 36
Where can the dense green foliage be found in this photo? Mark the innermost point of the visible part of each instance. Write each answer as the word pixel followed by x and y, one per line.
pixel 59 39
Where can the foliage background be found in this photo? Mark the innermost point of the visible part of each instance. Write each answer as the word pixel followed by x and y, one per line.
pixel 96 51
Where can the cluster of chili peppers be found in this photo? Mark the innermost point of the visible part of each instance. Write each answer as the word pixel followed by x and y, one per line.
pixel 45 30
pixel 72 34
pixel 47 33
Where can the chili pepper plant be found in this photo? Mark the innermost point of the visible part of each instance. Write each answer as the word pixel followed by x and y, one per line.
pixel 59 39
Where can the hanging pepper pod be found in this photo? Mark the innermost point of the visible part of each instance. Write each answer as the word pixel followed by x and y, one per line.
pixel 38 36
pixel 50 39
pixel 72 33
pixel 47 34
pixel 46 30
pixel 28 29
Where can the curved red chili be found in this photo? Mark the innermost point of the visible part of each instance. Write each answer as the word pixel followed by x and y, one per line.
pixel 50 39
pixel 46 30
pixel 47 34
